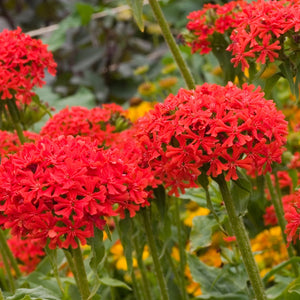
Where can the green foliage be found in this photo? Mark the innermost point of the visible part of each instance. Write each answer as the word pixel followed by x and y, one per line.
pixel 137 10
pixel 219 283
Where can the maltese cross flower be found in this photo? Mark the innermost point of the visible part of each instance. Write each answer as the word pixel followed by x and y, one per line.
pixel 211 129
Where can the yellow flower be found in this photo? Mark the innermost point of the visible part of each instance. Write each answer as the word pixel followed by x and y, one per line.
pixel 147 88
pixel 217 71
pixel 135 112
pixel 193 210
pixel 153 28
pixel 270 247
pixel 141 70
pixel 175 253
pixel 124 15
pixel 169 68
pixel 118 256
pixel 211 257
pixel 269 71
pixel 168 82
pixel 193 288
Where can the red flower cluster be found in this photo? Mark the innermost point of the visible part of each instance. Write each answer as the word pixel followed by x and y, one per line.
pixel 59 189
pixel 212 19
pixel 270 217
pixel 10 143
pixel 27 252
pixel 22 64
pixel 258 29
pixel 292 216
pixel 212 129
pixel 97 123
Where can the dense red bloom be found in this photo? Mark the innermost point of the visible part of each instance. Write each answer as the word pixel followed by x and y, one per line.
pixel 10 143
pixel 258 30
pixel 212 129
pixel 22 65
pixel 212 19
pixel 270 217
pixel 59 189
pixel 292 217
pixel 97 123
pixel 27 252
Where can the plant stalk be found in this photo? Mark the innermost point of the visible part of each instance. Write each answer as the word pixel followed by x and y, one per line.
pixel 15 116
pixel 145 281
pixel 8 271
pixel 185 72
pixel 181 246
pixel 8 253
pixel 242 238
pixel 157 265
pixel 81 274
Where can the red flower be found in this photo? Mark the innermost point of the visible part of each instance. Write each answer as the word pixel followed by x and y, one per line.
pixel 257 30
pixel 58 189
pixel 22 63
pixel 27 252
pixel 212 129
pixel 10 143
pixel 292 217
pixel 97 123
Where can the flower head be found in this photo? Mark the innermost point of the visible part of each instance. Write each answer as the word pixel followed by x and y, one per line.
pixel 28 253
pixel 10 143
pixel 211 129
pixel 59 189
pixel 100 123
pixel 258 30
pixel 22 64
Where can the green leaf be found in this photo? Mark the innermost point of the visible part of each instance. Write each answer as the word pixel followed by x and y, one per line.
pixel 160 200
pixel 293 289
pixel 277 291
pixel 286 71
pixel 217 281
pixel 202 230
pixel 125 226
pixel 85 11
pixel 240 191
pixel 270 83
pixel 114 282
pixel 58 38
pixel 37 293
pixel 137 10
pixel 293 173
pixel 97 247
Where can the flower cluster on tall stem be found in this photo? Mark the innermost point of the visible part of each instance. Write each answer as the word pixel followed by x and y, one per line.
pixel 57 190
pixel 259 31
pixel 211 129
pixel 23 61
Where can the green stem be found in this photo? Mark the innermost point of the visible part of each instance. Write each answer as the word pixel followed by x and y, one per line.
pixel 186 74
pixel 8 271
pixel 71 265
pixel 1 295
pixel 135 284
pixel 52 255
pixel 280 217
pixel 181 246
pixel 10 256
pixel 145 281
pixel 81 274
pixel 242 240
pixel 157 266
pixel 15 116
pixel 277 268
